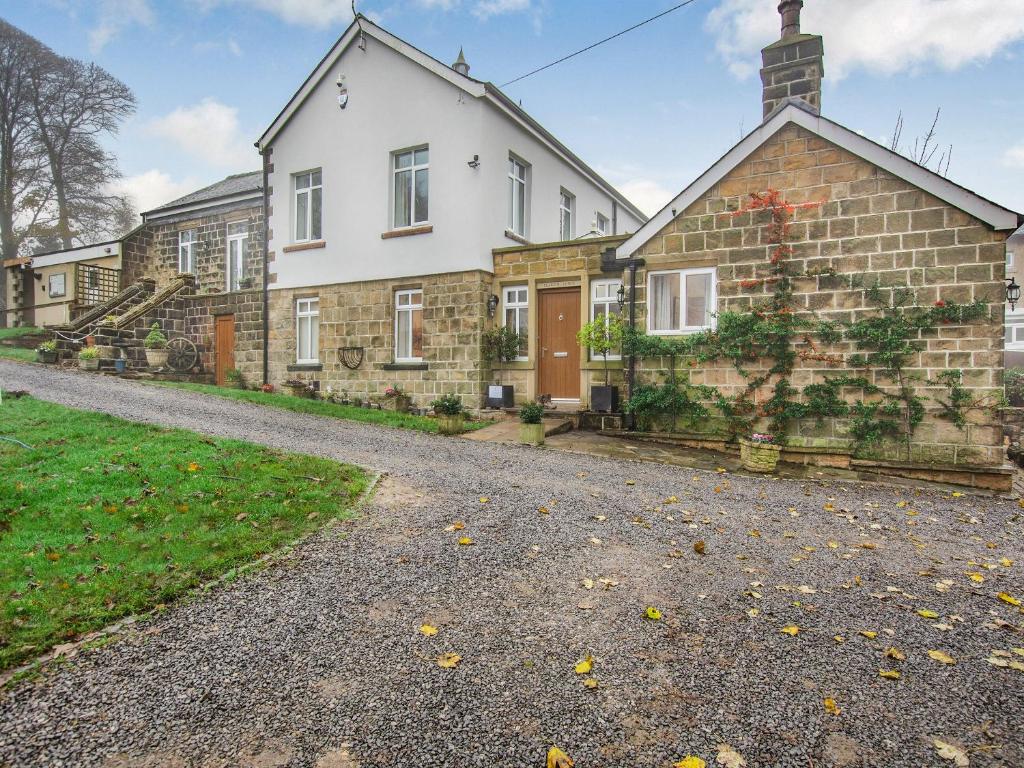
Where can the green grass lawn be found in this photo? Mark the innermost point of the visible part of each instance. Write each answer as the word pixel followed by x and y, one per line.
pixel 321 407
pixel 102 518
pixel 17 353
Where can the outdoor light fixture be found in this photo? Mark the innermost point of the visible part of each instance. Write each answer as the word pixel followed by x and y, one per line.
pixel 342 92
pixel 492 305
pixel 620 295
pixel 1012 292
pixel 475 162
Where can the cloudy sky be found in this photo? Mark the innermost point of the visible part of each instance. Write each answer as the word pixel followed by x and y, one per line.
pixel 650 111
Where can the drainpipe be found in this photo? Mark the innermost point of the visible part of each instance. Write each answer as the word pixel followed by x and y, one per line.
pixel 266 271
pixel 632 264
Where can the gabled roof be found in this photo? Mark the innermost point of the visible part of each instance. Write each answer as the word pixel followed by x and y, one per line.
pixel 239 185
pixel 469 85
pixel 996 216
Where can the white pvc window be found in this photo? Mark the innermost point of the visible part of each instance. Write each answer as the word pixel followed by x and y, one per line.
pixel 516 197
pixel 1015 336
pixel 604 304
pixel 307 330
pixel 602 223
pixel 238 234
pixel 516 301
pixel 411 186
pixel 186 251
pixel 681 301
pixel 308 206
pixel 566 215
pixel 409 326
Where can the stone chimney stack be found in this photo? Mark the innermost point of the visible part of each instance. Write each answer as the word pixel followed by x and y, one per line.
pixel 793 66
pixel 461 65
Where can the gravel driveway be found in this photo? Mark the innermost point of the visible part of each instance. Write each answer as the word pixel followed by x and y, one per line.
pixel 320 661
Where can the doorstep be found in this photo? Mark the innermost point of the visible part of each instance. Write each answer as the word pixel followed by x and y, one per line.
pixel 507 431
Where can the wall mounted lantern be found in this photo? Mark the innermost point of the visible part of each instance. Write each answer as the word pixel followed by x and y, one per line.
pixel 492 305
pixel 1012 292
pixel 620 295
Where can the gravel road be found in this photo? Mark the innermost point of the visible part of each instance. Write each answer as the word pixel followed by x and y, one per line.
pixel 319 660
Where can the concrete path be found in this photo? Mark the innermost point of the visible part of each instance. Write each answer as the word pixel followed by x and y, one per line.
pixel 803 594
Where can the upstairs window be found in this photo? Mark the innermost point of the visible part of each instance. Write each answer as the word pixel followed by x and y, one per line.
pixel 412 187
pixel 566 217
pixel 516 197
pixel 517 315
pixel 602 224
pixel 308 206
pixel 238 234
pixel 680 301
pixel 307 330
pixel 409 326
pixel 186 251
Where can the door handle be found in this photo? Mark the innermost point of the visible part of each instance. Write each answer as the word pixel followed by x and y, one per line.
pixel 543 350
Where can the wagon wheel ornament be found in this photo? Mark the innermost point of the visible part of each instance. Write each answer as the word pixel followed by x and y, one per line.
pixel 182 354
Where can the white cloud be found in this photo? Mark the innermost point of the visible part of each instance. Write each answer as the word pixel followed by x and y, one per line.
pixel 153 188
pixel 209 131
pixel 309 13
pixel 440 5
pixel 115 16
pixel 1014 156
pixel 647 195
pixel 484 9
pixel 877 35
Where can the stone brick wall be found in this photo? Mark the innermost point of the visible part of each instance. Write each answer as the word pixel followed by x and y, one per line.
pixel 362 315
pixel 153 250
pixel 870 224
pixel 247 307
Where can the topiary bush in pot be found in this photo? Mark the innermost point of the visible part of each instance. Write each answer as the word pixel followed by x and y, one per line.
pixel 450 414
pixel 531 428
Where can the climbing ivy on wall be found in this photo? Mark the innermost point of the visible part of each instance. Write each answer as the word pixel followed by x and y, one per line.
pixel 772 333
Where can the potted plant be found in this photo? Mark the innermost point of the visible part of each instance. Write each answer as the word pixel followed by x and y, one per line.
pixel 502 344
pixel 267 389
pixel 234 378
pixel 759 452
pixel 46 352
pixel 402 401
pixel 156 347
pixel 449 412
pixel 601 336
pixel 89 359
pixel 531 428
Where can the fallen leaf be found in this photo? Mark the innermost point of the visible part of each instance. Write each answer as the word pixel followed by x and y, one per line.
pixel 193 467
pixel 869 634
pixel 458 525
pixel 590 682
pixel 448 660
pixel 543 510
pixel 690 761
pixel 895 653
pixel 584 667
pixel 945 658
pixel 558 759
pixel 588 583
pixel 831 707
pixel 889 674
pixel 925 613
pixel 428 630
pixel 465 541
pixel 652 613
pixel 791 629
pixel 631 482
pixel 1008 599
pixel 484 499
pixel 947 751
pixel 977 578
pixel 698 547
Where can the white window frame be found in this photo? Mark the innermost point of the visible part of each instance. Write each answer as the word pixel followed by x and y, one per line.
pixel 510 300
pixel 412 170
pixel 602 223
pixel 307 191
pixel 399 311
pixel 566 210
pixel 242 239
pixel 682 273
pixel 307 309
pixel 1009 261
pixel 518 177
pixel 611 298
pixel 187 245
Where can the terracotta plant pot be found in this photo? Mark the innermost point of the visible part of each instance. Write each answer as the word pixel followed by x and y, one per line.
pixel 531 434
pixel 759 457
pixel 156 358
pixel 450 425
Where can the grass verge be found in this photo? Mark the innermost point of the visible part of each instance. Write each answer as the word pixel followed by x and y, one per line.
pixel 17 353
pixel 321 407
pixel 102 518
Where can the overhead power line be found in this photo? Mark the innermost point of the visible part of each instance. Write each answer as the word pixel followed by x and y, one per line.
pixel 599 42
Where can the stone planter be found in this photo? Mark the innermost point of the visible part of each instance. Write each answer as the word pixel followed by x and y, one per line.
pixel 531 434
pixel 759 457
pixel 156 358
pixel 450 425
pixel 604 399
pixel 92 364
pixel 402 403
pixel 46 357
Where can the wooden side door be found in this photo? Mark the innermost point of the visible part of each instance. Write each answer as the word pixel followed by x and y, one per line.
pixel 223 346
pixel 558 321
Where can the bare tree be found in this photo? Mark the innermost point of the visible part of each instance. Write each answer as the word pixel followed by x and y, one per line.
pixel 924 148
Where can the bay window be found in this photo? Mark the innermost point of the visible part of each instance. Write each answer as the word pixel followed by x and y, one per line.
pixel 307 330
pixel 409 326
pixel 681 300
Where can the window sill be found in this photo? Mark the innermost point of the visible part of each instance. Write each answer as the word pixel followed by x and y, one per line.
pixel 311 245
pixel 513 365
pixel 295 367
pixel 404 367
pixel 407 232
pixel 518 238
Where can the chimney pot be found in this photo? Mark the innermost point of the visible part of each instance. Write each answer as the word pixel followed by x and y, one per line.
pixel 790 11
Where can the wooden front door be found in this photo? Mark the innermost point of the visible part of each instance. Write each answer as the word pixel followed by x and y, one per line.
pixel 223 346
pixel 558 321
